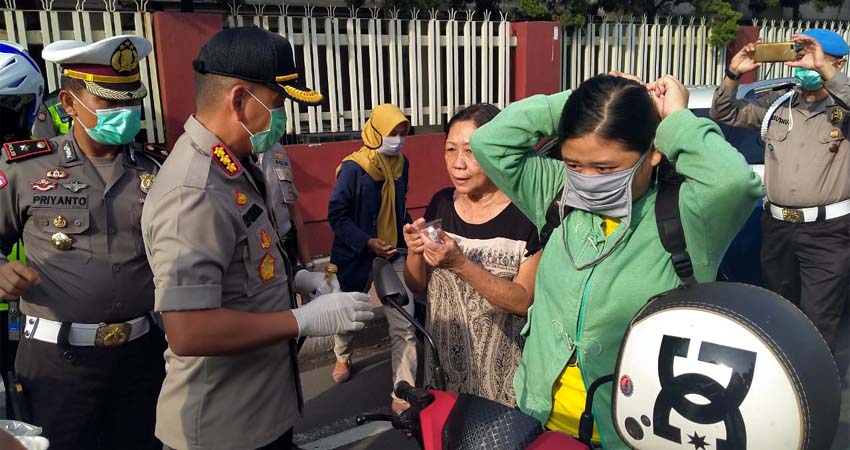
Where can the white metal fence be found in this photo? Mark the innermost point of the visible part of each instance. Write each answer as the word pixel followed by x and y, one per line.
pixel 666 46
pixel 676 46
pixel 781 30
pixel 35 28
pixel 430 68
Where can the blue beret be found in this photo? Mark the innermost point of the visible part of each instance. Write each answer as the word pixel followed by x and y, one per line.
pixel 832 42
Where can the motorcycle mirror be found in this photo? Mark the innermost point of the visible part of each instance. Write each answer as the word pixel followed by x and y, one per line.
pixel 387 284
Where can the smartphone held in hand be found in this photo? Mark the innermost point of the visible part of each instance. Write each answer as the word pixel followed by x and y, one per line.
pixel 775 52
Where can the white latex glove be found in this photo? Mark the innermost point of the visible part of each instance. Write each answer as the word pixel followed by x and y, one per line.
pixel 330 314
pixel 312 284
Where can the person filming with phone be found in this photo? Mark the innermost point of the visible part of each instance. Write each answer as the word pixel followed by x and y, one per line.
pixel 806 225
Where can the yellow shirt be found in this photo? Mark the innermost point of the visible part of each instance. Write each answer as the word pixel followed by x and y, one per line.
pixel 569 393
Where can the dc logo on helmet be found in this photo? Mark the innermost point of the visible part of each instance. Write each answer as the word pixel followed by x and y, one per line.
pixel 724 366
pixel 724 401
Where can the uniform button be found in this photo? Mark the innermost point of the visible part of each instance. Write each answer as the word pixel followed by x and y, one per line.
pixel 32 321
pixel 26 333
pixel 116 268
pixel 68 355
pixel 119 305
pixel 44 222
pixel 111 230
pixel 78 222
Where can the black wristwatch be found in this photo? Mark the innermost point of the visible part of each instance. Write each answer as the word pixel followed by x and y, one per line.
pixel 732 75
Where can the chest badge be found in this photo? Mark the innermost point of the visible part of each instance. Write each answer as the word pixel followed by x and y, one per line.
pixel 267 268
pixel 75 186
pixel 265 239
pixel 60 222
pixel 146 182
pixel 241 199
pixel 836 115
pixel 43 185
pixel 61 241
pixel 57 174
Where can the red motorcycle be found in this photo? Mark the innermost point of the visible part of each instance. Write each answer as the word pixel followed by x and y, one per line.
pixel 441 420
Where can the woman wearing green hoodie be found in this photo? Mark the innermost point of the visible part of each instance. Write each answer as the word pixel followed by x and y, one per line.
pixel 605 259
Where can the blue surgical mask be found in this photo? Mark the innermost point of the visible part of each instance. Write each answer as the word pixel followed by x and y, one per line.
pixel 263 141
pixel 115 126
pixel 391 145
pixel 809 79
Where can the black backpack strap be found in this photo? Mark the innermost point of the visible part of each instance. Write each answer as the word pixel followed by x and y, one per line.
pixel 670 225
pixel 553 219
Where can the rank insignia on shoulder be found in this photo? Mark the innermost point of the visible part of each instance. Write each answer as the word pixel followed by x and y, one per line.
pixel 225 159
pixel 155 151
pixel 16 151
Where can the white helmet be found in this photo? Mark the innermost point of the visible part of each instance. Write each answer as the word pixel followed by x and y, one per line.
pixel 20 76
pixel 725 366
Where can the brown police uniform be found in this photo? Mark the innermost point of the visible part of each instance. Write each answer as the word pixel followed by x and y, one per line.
pixel 212 243
pixel 806 225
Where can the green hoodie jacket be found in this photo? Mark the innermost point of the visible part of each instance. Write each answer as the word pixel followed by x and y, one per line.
pixel 588 311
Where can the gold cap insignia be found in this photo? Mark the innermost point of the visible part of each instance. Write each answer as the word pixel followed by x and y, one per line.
pixel 126 58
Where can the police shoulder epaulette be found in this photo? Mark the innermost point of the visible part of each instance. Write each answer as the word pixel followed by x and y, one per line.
pixel 155 151
pixel 16 151
pixel 225 159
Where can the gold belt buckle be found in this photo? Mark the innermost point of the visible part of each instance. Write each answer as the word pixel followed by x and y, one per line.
pixel 792 215
pixel 111 335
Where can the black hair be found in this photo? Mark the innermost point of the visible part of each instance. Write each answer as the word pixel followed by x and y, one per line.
pixel 210 88
pixel 612 108
pixel 479 114
pixel 72 84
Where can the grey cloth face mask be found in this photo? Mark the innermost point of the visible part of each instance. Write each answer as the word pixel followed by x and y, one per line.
pixel 608 195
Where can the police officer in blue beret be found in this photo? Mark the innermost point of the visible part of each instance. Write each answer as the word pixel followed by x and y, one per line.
pixel 806 224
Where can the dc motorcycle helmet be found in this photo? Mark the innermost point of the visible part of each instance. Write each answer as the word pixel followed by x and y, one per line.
pixel 724 366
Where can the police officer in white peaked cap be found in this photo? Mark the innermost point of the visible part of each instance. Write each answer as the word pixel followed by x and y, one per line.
pixel 90 362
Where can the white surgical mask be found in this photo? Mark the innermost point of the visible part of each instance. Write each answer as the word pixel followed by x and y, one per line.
pixel 391 145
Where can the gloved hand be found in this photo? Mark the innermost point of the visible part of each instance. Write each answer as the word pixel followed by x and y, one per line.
pixel 329 314
pixel 307 284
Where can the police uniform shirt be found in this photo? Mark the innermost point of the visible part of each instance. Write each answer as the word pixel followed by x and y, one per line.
pixel 211 244
pixel 810 164
pixel 96 270
pixel 280 186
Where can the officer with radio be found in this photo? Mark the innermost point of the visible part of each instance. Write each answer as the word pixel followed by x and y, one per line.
pixel 806 224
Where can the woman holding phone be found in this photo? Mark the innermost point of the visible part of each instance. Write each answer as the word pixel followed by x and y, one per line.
pixel 366 212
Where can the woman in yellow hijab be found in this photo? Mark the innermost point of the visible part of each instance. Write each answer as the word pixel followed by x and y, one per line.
pixel 367 212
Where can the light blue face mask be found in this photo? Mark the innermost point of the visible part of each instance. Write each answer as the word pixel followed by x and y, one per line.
pixel 115 126
pixel 809 79
pixel 263 141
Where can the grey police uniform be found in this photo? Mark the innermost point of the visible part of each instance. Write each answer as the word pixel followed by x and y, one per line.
pixel 277 170
pixel 806 226
pixel 83 236
pixel 211 243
